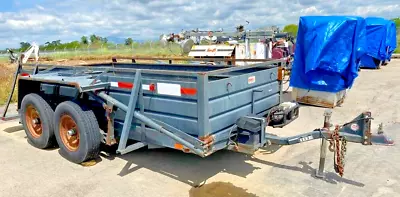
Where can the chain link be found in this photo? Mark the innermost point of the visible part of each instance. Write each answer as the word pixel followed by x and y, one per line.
pixel 338 145
pixel 343 151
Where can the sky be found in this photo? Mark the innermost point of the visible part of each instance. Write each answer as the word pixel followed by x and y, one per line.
pixel 67 20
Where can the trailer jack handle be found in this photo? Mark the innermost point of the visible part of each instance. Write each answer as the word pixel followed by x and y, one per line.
pixel 356 131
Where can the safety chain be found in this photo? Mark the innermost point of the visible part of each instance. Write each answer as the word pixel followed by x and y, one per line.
pixel 338 146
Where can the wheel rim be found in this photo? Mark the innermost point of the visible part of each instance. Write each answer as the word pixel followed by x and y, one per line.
pixel 69 133
pixel 33 122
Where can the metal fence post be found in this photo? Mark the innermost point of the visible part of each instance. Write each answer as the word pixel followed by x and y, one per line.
pixel 324 145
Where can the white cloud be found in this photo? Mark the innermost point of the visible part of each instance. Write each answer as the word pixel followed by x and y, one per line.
pixel 39 7
pixel 142 19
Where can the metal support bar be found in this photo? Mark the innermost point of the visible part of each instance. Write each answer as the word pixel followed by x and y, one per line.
pixel 324 145
pixel 133 147
pixel 196 142
pixel 150 123
pixel 12 90
pixel 129 114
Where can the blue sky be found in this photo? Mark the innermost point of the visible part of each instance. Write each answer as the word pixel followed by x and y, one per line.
pixel 67 20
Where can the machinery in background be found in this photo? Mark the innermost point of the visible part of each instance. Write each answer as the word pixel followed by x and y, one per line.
pixel 14 58
pixel 264 44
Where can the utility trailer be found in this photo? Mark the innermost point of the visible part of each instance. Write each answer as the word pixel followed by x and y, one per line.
pixel 197 109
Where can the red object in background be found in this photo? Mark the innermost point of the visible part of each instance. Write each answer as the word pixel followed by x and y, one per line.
pixel 277 53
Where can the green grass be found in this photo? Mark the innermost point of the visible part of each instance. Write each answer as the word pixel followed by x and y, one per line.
pixel 155 50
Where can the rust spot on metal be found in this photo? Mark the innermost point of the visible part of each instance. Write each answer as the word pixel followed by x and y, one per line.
pixel 317 102
pixel 208 141
pixel 280 73
pixel 110 140
pixel 368 133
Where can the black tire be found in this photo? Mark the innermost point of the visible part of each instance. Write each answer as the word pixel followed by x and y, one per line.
pixel 86 128
pixel 34 105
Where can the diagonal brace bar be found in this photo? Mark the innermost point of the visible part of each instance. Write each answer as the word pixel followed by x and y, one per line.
pixel 130 112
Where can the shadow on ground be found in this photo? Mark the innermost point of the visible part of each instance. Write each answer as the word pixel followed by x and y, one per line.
pixel 14 129
pixel 193 170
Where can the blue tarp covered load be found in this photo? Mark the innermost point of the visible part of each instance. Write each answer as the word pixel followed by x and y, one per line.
pixel 328 51
pixel 381 41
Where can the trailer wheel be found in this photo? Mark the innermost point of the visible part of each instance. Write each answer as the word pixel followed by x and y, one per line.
pixel 77 132
pixel 37 120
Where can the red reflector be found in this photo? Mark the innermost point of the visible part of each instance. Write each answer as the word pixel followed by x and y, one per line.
pixel 25 74
pixel 125 85
pixel 152 87
pixel 188 91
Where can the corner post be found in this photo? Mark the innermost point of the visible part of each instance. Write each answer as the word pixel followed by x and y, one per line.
pixel 202 105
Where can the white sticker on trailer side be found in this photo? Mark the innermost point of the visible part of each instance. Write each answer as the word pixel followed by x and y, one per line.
pixel 251 79
pixel 169 89
pixel 114 84
pixel 145 87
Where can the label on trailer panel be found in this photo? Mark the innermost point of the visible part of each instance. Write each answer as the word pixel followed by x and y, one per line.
pixel 251 80
pixel 145 87
pixel 169 89
pixel 307 138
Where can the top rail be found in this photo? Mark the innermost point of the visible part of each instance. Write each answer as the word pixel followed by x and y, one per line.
pixel 114 67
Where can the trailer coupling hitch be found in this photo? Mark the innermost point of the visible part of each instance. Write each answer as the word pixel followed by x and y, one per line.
pixel 356 131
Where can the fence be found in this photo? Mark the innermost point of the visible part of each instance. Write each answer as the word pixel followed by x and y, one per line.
pixel 147 49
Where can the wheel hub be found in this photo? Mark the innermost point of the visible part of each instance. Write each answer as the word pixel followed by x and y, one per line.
pixel 69 132
pixel 33 123
pixel 36 121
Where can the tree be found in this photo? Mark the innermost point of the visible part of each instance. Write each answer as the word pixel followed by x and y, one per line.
pixel 24 45
pixel 128 41
pixel 84 40
pixel 397 22
pixel 292 28
pixel 93 38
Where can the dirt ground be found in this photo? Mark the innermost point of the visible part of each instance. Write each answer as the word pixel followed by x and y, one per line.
pixel 289 171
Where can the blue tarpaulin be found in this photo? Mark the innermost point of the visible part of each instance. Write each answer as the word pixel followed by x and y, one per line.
pixel 381 41
pixel 328 50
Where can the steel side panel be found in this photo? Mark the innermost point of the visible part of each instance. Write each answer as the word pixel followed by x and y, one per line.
pixel 236 83
pixel 163 105
pixel 229 118
pixel 239 99
pixel 152 136
pixel 184 124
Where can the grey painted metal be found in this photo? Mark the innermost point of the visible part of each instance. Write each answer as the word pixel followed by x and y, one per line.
pixel 151 124
pixel 324 145
pixel 130 113
pixel 208 113
pixel 203 106
pixel 132 147
pixel 93 87
pixel 158 127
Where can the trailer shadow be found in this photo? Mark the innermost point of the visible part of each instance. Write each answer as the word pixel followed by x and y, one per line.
pixel 330 177
pixel 14 129
pixel 195 171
